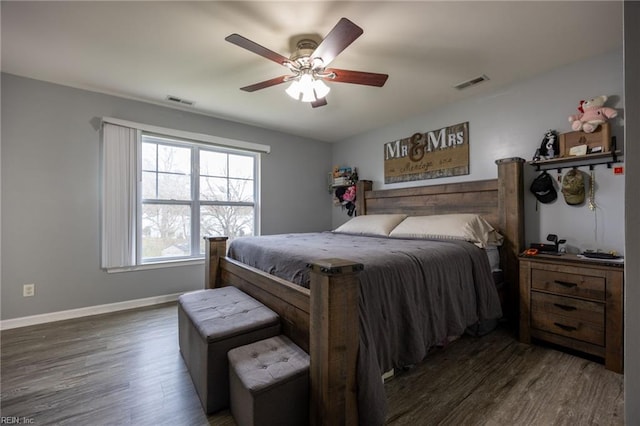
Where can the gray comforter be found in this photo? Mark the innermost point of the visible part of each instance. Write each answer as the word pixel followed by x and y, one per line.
pixel 413 295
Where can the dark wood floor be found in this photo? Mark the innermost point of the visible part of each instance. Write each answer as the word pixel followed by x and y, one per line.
pixel 125 368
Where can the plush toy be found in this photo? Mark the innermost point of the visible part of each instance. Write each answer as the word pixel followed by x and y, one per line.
pixel 346 197
pixel 350 194
pixel 350 197
pixel 592 114
pixel 548 147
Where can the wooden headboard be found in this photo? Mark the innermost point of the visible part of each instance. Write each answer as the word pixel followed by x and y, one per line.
pixel 499 201
pixel 480 197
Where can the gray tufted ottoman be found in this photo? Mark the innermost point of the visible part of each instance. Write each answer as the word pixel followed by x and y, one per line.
pixel 269 383
pixel 210 323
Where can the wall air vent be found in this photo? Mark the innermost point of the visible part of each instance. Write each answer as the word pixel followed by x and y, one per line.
pixel 178 100
pixel 471 82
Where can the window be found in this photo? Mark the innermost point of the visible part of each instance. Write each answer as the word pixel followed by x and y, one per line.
pixel 164 190
pixel 189 190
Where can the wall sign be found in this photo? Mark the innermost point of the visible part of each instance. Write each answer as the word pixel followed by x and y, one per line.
pixel 434 154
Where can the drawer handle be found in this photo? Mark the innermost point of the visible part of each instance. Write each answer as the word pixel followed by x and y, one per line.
pixel 565 327
pixel 566 283
pixel 565 307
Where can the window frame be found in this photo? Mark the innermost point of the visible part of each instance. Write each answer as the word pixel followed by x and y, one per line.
pixel 194 203
pixel 119 189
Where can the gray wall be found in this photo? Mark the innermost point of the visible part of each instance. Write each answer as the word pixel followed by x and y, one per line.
pixel 50 195
pixel 632 266
pixel 511 122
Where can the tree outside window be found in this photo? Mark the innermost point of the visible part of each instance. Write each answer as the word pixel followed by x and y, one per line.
pixel 190 190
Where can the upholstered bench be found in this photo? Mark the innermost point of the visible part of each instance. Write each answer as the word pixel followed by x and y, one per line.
pixel 269 383
pixel 210 323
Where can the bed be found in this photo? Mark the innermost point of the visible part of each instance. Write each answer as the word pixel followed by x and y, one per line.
pixel 327 319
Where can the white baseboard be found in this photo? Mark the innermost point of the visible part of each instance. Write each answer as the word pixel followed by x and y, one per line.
pixel 85 312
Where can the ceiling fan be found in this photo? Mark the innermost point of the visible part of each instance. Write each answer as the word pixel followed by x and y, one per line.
pixel 308 64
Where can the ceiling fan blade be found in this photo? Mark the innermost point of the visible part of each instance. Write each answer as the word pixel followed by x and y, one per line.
pixel 341 36
pixel 265 84
pixel 357 77
pixel 319 102
pixel 254 47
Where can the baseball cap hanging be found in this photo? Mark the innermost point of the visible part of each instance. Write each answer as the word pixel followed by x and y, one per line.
pixel 542 187
pixel 573 187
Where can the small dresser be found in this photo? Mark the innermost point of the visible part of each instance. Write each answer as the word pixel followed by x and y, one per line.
pixel 575 303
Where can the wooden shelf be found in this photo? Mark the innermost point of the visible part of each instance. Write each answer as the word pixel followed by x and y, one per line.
pixel 590 160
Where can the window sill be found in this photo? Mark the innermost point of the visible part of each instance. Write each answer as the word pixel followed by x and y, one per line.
pixel 156 265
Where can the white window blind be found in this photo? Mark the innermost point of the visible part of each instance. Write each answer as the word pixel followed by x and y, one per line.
pixel 119 196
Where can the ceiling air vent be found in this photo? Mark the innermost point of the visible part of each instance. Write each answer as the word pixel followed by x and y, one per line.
pixel 178 100
pixel 471 82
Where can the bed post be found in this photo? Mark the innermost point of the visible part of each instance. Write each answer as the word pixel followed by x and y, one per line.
pixel 362 186
pixel 334 342
pixel 511 217
pixel 214 249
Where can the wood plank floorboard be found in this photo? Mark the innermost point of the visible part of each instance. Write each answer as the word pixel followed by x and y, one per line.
pixel 495 380
pixel 125 368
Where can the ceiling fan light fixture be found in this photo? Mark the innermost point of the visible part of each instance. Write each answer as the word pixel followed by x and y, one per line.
pixel 306 81
pixel 306 88
pixel 320 88
pixel 307 95
pixel 294 90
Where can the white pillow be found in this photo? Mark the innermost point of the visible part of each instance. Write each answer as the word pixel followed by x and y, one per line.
pixel 373 224
pixel 464 226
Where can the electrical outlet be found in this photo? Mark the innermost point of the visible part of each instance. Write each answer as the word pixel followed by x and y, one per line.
pixel 28 290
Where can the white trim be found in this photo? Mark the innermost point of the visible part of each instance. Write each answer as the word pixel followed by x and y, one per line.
pixel 87 311
pixel 156 265
pixel 200 137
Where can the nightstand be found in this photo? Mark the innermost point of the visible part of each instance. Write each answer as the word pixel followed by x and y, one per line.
pixel 575 303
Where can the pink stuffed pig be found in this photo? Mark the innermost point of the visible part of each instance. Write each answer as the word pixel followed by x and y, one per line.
pixel 592 114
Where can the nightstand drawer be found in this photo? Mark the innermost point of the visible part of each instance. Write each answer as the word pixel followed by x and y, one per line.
pixel 545 304
pixel 580 285
pixel 578 319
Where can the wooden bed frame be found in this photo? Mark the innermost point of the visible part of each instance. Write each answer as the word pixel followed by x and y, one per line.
pixel 323 320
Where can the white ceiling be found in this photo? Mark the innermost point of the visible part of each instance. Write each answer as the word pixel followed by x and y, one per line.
pixel 148 50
